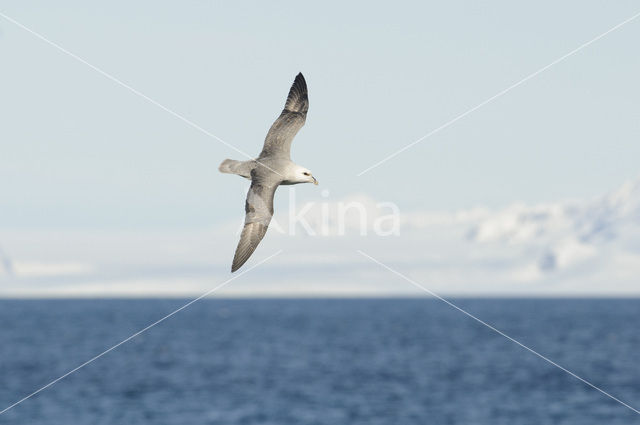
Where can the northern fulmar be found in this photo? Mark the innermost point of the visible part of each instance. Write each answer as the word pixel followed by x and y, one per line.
pixel 272 168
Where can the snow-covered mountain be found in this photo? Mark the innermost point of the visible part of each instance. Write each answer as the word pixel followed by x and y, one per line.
pixel 572 247
pixel 596 240
pixel 595 221
pixel 570 232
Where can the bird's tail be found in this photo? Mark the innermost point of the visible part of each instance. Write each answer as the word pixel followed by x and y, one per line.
pixel 241 168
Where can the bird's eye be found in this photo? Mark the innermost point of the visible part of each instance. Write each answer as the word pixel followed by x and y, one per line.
pixel 305 173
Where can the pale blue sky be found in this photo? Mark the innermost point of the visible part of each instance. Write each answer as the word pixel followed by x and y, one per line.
pixel 78 150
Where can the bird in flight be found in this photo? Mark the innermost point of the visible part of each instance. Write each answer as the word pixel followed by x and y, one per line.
pixel 272 168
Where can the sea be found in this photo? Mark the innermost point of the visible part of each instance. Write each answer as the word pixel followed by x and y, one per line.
pixel 320 361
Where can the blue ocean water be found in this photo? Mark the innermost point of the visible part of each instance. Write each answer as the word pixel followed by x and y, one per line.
pixel 376 361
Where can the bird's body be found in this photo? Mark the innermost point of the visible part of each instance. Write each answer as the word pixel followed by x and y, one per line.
pixel 272 168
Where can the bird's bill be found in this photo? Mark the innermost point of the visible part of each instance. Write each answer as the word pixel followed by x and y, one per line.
pixel 315 181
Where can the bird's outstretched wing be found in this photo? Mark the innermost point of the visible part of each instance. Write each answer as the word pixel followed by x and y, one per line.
pixel 259 210
pixel 290 121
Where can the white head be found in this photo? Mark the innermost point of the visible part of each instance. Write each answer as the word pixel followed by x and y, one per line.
pixel 300 174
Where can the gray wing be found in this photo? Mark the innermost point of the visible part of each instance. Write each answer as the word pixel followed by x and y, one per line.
pixel 290 121
pixel 259 210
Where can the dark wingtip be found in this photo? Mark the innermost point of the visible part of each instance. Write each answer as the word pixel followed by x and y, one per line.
pixel 298 99
pixel 300 82
pixel 237 262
